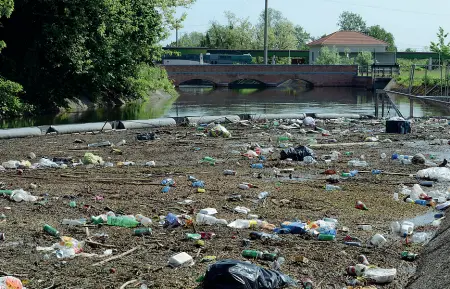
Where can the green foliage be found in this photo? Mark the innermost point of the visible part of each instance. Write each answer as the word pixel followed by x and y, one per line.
pixel 410 50
pixel 442 46
pixel 6 7
pixel 150 79
pixel 193 39
pixel 328 56
pixel 303 38
pixel 10 103
pixel 364 58
pixel 380 33
pixel 349 21
pixel 281 32
pixel 93 48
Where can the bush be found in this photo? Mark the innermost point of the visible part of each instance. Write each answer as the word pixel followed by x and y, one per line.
pixel 10 103
pixel 151 79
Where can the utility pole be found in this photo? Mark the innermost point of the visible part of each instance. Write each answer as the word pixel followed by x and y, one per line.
pixel 266 54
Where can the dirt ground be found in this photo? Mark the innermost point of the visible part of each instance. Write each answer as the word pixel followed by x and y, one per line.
pixel 136 189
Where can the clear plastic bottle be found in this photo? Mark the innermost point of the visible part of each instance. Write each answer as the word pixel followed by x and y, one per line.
pixel 263 195
pixel 69 222
pixel 146 222
pixel 357 163
pixel 329 187
pixel 100 144
pixel 203 219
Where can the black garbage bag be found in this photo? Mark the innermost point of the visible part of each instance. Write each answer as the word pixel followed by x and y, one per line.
pixel 233 274
pixel 147 136
pixel 296 154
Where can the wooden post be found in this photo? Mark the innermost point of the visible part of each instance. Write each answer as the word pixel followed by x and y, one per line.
pixel 411 107
pixel 377 95
pixel 382 105
pixel 426 81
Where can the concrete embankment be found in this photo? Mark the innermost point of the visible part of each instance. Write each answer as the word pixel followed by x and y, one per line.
pixel 433 269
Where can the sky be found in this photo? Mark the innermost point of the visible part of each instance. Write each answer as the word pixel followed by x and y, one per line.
pixel 414 23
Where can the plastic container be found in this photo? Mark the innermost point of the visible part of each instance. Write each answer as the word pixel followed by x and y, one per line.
pixel 203 219
pixel 142 232
pixel 11 164
pixel 263 195
pixel 125 222
pixel 406 228
pixel 380 275
pixel 69 222
pixel 326 237
pixel 294 227
pixel 208 211
pixel 357 163
pixel 365 227
pixel 229 172
pixel 146 222
pixel 21 195
pixel 378 240
pixel 257 166
pixel 242 210
pixel 150 164
pixel 198 184
pixel 244 186
pixel 407 256
pixel 181 260
pixel 421 202
pixel 253 254
pixel 100 144
pixel 51 231
pixel 329 187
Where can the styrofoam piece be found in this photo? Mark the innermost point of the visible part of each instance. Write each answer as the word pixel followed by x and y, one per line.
pixel 278 116
pixel 144 123
pixel 212 118
pixel 182 259
pixel 20 132
pixel 79 127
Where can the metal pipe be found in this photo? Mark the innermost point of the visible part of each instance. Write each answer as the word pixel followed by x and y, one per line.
pixel 266 21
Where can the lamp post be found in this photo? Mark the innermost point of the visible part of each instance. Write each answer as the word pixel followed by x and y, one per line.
pixel 265 32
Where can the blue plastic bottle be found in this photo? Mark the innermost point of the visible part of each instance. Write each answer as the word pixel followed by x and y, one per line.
pixel 294 227
pixel 198 184
pixel 257 166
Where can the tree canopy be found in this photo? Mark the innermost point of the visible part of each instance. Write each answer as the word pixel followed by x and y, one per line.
pixel 442 46
pixel 92 48
pixel 349 21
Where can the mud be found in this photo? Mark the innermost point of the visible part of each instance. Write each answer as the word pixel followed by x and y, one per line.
pixel 136 189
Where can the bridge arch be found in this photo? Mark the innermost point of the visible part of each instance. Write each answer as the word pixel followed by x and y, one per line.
pixel 198 82
pixel 247 83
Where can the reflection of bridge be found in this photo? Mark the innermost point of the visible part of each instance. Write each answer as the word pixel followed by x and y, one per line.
pixel 269 75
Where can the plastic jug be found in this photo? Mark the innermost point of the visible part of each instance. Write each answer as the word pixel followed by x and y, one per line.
pixel 406 228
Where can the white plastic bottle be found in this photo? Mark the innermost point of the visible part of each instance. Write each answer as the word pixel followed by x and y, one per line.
pixel 146 222
pixel 202 219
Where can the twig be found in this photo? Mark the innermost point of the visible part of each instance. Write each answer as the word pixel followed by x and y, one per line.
pixel 198 252
pixel 99 244
pixel 128 283
pixel 12 274
pixel 116 257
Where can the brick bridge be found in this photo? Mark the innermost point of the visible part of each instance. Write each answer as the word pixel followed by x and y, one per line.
pixel 269 75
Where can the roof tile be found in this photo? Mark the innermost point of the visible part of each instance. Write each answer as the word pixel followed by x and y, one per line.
pixel 347 38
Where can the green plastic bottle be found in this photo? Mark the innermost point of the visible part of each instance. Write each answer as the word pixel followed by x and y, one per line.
pixel 193 236
pixel 6 192
pixel 346 175
pixel 409 256
pixel 326 237
pixel 97 220
pixel 251 254
pixel 51 231
pixel 283 138
pixel 72 204
pixel 122 222
pixel 142 232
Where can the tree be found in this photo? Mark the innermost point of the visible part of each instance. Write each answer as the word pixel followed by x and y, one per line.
pixel 193 39
pixel 349 21
pixel 442 46
pixel 94 48
pixel 236 34
pixel 380 33
pixel 303 38
pixel 328 56
pixel 410 50
pixel 364 58
pixel 282 33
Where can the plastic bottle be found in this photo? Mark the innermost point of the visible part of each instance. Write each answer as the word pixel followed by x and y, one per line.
pixel 11 164
pixel 326 237
pixel 406 228
pixel 202 219
pixel 6 192
pixel 69 222
pixel 51 231
pixel 100 144
pixel 407 256
pixel 244 186
pixel 357 163
pixel 353 173
pixel 360 205
pixel 421 202
pixel 257 166
pixel 142 232
pixel 198 184
pixel 294 227
pixel 229 172
pixel 263 236
pixel 165 189
pixel 329 187
pixel 263 195
pixel 121 221
pixel 253 254
pixel 168 182
pixel 150 164
pixel 146 222
pixel 21 195
pixel 209 160
pixel 376 172
pixel 365 227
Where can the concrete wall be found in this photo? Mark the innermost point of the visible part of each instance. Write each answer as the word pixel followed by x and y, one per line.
pixel 271 75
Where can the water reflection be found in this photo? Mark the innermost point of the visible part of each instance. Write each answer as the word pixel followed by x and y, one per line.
pixel 210 101
pixel 419 109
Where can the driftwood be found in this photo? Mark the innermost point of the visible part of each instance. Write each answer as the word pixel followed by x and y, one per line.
pixel 116 257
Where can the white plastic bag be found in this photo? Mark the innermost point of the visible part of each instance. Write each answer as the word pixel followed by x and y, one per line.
pixel 435 173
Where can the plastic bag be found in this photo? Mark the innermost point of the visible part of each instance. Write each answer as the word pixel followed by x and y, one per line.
pixel 219 130
pixel 21 195
pixel 309 121
pixel 440 174
pixel 233 274
pixel 9 282
pixel 90 158
pixel 296 154
pixel 147 136
pixel 46 163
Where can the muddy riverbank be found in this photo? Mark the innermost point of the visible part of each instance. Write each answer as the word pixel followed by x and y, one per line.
pixel 136 189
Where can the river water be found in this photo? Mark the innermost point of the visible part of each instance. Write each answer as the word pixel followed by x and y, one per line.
pixel 210 101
